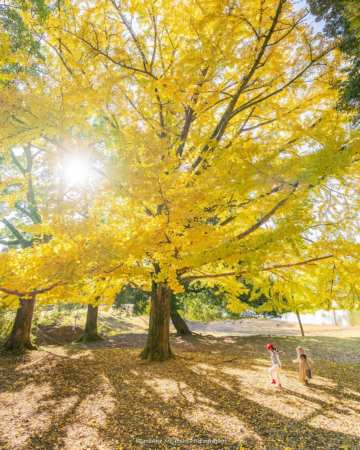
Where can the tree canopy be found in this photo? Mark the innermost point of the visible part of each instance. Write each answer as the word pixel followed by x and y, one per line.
pixel 216 149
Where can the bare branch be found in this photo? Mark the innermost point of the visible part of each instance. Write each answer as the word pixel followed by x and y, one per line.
pixel 132 34
pixel 110 58
pixel 255 101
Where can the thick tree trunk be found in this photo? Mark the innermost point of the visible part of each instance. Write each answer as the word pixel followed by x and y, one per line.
pixel 20 336
pixel 90 332
pixel 178 322
pixel 300 323
pixel 158 343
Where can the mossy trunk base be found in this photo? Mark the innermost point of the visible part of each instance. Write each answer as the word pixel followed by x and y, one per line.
pixel 85 338
pixel 19 339
pixel 158 341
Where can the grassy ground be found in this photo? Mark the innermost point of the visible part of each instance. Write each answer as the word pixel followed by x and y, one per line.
pixel 214 394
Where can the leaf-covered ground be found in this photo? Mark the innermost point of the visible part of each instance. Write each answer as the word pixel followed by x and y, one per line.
pixel 214 394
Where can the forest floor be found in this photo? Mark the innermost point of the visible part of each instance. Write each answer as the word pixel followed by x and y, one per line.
pixel 214 394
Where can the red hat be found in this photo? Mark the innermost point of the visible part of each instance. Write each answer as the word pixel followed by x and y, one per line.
pixel 269 346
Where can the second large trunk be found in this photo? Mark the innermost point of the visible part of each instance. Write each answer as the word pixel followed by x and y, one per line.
pixel 178 322
pixel 20 336
pixel 90 332
pixel 158 341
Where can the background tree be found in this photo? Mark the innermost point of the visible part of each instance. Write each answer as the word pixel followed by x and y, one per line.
pixel 341 22
pixel 132 295
pixel 19 210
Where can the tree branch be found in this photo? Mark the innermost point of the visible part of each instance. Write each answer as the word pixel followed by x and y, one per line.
pixel 226 117
pixel 265 217
pixel 24 242
pixel 277 266
pixel 29 294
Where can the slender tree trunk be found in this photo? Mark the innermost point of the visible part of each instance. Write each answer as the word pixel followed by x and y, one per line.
pixel 20 336
pixel 90 332
pixel 334 316
pixel 300 323
pixel 178 322
pixel 158 343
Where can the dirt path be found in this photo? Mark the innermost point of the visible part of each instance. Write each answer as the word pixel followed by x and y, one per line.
pixel 273 327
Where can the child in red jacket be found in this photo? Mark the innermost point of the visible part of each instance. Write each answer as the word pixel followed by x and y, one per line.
pixel 275 364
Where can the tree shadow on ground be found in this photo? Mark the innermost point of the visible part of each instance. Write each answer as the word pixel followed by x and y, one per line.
pixel 126 340
pixel 118 323
pixel 56 335
pixel 103 396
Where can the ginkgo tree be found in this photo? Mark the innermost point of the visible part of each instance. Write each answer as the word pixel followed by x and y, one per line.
pixel 32 187
pixel 219 120
pixel 18 56
pixel 18 206
pixel 77 265
pixel 58 248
